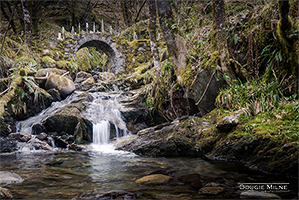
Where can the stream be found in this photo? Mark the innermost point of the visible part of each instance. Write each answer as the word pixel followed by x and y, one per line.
pixel 99 170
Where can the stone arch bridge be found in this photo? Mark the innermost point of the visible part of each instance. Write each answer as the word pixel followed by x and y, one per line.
pixel 102 42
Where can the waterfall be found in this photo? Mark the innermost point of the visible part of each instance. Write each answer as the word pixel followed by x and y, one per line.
pixel 107 120
pixel 103 112
pixel 101 132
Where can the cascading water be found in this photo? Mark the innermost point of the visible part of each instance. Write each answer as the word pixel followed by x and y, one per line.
pixel 26 125
pixel 103 112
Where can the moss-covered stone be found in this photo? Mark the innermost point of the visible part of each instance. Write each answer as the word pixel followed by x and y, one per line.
pixel 68 121
pixel 64 85
pixel 48 62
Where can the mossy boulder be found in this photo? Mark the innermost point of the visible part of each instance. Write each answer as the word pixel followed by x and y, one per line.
pixel 48 62
pixel 68 121
pixel 48 71
pixel 64 85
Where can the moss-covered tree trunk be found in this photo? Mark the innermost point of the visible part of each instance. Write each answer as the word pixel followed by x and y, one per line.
pixel 27 22
pixel 219 19
pixel 288 39
pixel 175 46
pixel 153 38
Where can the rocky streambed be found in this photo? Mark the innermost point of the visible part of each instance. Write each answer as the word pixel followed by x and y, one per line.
pixel 187 158
pixel 209 137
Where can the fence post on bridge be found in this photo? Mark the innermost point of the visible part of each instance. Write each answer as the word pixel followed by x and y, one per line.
pixel 63 33
pixel 103 26
pixel 73 32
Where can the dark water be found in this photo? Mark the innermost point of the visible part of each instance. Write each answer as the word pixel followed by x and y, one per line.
pixel 70 175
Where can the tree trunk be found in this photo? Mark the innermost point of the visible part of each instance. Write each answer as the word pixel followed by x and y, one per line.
pixel 219 19
pixel 175 46
pixel 153 38
pixel 6 15
pixel 284 7
pixel 126 12
pixel 35 10
pixel 27 23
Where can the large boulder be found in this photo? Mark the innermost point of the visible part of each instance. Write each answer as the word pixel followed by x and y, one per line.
pixel 64 85
pixel 47 72
pixel 213 82
pixel 170 141
pixel 68 121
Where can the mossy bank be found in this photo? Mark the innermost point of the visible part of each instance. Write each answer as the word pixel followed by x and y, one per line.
pixel 260 148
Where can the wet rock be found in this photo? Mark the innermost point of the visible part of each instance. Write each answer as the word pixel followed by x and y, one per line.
pixel 64 85
pixel 154 179
pixel 258 195
pixel 9 177
pixel 192 179
pixel 54 94
pixel 21 136
pixel 38 129
pixel 5 194
pixel 68 121
pixel 211 190
pixel 198 87
pixel 42 136
pixel 74 147
pixel 229 122
pixel 170 141
pixel 39 145
pixel 8 144
pixel 59 142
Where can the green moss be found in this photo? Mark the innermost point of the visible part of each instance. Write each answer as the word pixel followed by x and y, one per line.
pixel 284 41
pixel 141 59
pixel 62 64
pixel 47 60
pixel 214 60
pixel 188 76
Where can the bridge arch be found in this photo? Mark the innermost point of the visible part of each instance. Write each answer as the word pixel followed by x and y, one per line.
pixel 104 44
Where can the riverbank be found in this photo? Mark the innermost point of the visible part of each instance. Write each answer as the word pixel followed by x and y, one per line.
pixel 260 148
